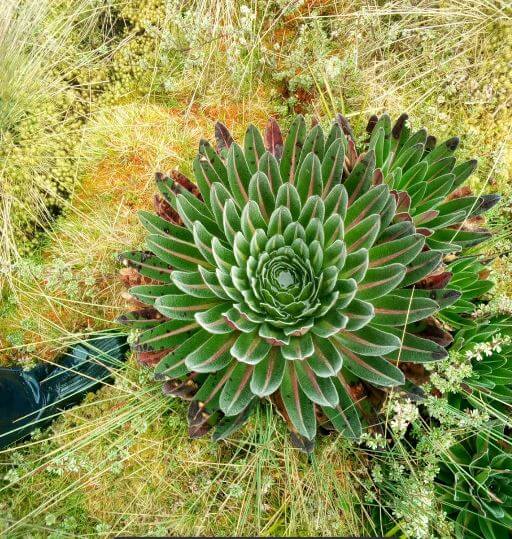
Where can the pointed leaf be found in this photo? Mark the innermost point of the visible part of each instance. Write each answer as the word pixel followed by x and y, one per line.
pixel 268 374
pixel 254 148
pixel 380 281
pixel 368 341
pixel 261 192
pixel 300 409
pixel 250 348
pixel 239 174
pixel 344 416
pixel 292 148
pixel 236 393
pixel 212 355
pixel 320 390
pixel 332 166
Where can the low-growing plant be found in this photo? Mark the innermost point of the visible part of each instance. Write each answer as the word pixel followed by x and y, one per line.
pixel 475 482
pixel 307 270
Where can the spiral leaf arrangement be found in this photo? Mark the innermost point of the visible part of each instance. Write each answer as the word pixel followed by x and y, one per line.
pixel 302 271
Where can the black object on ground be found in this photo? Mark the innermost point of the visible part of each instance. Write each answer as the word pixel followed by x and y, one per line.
pixel 32 399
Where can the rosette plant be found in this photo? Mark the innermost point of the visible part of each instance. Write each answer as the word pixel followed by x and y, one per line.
pixel 475 485
pixel 298 270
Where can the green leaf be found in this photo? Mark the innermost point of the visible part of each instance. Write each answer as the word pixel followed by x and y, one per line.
pixel 356 265
pixel 192 283
pixel 347 289
pixel 166 335
pixel 254 148
pixel 309 180
pixel 260 191
pixel 380 281
pixel 173 364
pixel 227 285
pixel 463 172
pixel 414 175
pixel 292 148
pixel 300 409
pixel 443 166
pixel 344 416
pixel 314 231
pixel 231 221
pixel 401 251
pixel 436 192
pixel 332 166
pixel 415 349
pixel 203 242
pixel 239 174
pixel 270 167
pixel 424 264
pixel 329 324
pixel 219 196
pixel 182 306
pixel 375 370
pixel 396 231
pixel 268 373
pixel 368 341
pixel 320 390
pixel 252 219
pixel 230 424
pixel 336 201
pixel 250 348
pixel 314 143
pixel 213 319
pixel 156 225
pixel 208 168
pixel 407 157
pixel 179 254
pixel 206 150
pixel 326 361
pixel 279 220
pixel 208 394
pixel 359 180
pixel 149 293
pixel 224 258
pixel 141 319
pixel 288 197
pixel 147 264
pixel 212 355
pixel 460 237
pixel 236 393
pixel 212 282
pixel 190 210
pixel 313 209
pixel 358 313
pixel 333 229
pixel 396 310
pixel 335 133
pixel 239 321
pixel 444 149
pixel 369 203
pixel 363 234
pixel 298 348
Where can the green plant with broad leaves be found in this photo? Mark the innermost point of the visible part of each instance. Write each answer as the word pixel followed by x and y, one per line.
pixel 488 346
pixel 475 485
pixel 307 270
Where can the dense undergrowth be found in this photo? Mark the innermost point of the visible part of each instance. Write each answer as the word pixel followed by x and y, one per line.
pixel 96 96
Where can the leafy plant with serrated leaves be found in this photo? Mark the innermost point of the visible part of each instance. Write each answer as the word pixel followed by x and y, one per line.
pixel 475 485
pixel 301 271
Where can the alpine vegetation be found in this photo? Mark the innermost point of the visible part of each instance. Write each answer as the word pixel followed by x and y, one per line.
pixel 311 271
pixel 475 484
